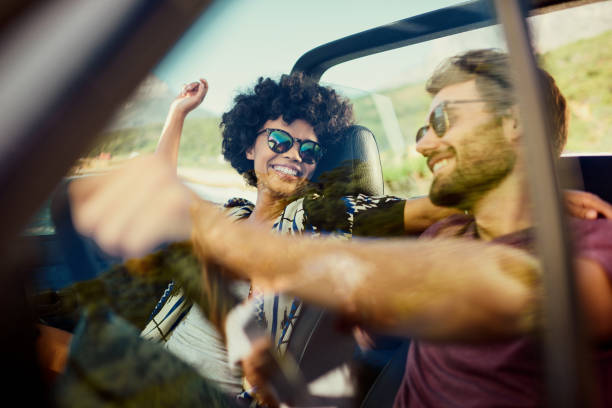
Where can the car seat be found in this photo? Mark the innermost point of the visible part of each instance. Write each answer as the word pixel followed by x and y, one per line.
pixel 356 163
pixel 589 173
pixel 357 160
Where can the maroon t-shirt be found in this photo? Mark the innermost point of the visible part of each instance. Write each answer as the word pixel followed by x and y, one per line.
pixel 504 373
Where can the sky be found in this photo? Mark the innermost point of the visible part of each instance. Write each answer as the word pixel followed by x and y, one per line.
pixel 237 41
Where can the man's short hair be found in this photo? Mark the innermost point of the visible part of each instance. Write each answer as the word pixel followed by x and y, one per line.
pixel 490 69
pixel 294 96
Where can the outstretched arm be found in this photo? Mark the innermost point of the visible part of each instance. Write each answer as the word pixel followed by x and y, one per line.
pixel 190 97
pixel 430 289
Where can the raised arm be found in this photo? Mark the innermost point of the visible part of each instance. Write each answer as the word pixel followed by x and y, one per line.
pixel 190 97
pixel 430 289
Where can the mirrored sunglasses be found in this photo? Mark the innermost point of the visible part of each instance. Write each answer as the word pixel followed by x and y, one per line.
pixel 279 141
pixel 439 120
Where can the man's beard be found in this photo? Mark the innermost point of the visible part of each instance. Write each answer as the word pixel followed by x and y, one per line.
pixel 480 165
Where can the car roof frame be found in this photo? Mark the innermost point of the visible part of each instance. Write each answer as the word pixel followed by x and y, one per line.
pixel 412 30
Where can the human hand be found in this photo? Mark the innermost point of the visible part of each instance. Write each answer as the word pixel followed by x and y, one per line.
pixel 258 368
pixel 190 97
pixel 586 205
pixel 132 210
pixel 363 339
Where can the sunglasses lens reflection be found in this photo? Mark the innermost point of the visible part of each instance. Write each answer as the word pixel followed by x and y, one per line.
pixel 421 133
pixel 279 142
pixel 438 120
pixel 310 152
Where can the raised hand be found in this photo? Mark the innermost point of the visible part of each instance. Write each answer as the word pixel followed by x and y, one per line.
pixel 190 97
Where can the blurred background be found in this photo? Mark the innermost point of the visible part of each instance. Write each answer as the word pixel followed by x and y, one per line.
pixel 238 41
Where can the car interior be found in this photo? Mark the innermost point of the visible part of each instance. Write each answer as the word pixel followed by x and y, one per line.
pixel 33 182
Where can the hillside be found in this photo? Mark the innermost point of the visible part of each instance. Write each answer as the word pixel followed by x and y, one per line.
pixel 582 70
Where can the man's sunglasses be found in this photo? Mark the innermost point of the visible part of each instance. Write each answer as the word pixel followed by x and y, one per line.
pixel 280 141
pixel 439 120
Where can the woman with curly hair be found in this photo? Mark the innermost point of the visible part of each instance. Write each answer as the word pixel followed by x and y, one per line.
pixel 274 135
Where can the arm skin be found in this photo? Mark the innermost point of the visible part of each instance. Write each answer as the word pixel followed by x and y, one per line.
pixel 442 289
pixel 450 296
pixel 191 96
pixel 582 204
pixel 594 286
pixel 420 213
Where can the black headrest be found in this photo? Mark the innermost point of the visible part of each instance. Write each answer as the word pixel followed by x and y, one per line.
pixel 589 173
pixel 355 161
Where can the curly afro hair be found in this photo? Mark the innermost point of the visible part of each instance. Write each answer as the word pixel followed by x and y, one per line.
pixel 294 96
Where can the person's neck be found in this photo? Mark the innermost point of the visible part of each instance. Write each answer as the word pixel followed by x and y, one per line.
pixel 268 207
pixel 504 209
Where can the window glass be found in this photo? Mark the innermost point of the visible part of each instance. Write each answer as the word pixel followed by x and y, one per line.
pixel 393 101
pixel 576 56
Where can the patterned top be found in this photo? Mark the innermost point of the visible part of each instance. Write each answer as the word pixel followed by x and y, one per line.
pixel 187 334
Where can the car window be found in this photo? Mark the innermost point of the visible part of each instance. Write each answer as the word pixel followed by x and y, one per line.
pixel 388 89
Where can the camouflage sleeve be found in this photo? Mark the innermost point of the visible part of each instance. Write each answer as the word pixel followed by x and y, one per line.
pixel 356 215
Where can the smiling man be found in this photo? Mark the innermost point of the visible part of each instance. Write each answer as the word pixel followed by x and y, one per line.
pixel 473 146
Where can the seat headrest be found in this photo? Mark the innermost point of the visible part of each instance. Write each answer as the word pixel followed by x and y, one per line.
pixel 354 163
pixel 587 172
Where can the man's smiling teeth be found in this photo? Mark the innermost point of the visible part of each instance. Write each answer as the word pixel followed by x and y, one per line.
pixel 439 165
pixel 286 170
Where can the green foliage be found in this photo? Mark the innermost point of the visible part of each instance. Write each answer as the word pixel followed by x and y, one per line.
pixel 583 70
pixel 123 142
pixel 408 177
pixel 200 142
